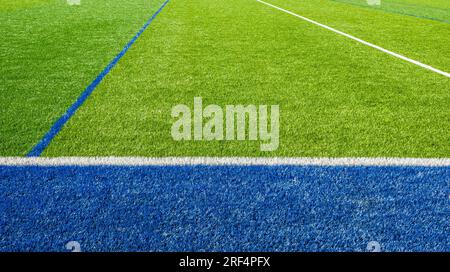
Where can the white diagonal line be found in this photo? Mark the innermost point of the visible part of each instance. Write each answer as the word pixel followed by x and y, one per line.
pixel 418 63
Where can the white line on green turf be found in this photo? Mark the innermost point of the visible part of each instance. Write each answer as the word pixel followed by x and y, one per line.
pixel 238 161
pixel 360 41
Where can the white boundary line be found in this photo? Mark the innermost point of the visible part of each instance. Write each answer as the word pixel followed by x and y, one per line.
pixel 360 41
pixel 237 161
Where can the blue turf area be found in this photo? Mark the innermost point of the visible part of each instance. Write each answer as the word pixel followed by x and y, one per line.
pixel 224 208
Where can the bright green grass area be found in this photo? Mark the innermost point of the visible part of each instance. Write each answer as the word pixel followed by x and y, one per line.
pixel 21 4
pixel 50 52
pixel 438 10
pixel 337 97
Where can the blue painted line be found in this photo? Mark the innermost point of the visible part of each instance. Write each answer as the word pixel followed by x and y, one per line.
pixel 59 124
pixel 224 208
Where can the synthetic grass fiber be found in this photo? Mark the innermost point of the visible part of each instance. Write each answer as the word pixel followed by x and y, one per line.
pixel 438 10
pixel 337 98
pixel 50 52
pixel 223 208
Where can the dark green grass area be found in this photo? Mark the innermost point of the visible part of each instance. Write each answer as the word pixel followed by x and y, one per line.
pixel 438 10
pixel 337 97
pixel 50 52
pixel 421 39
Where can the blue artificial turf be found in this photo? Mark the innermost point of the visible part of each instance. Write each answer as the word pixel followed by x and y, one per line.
pixel 224 208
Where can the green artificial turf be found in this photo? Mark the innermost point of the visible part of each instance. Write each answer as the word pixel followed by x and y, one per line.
pixel 50 52
pixel 337 97
pixel 438 10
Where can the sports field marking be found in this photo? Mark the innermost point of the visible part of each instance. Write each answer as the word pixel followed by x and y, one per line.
pixel 238 161
pixel 59 124
pixel 395 12
pixel 360 41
